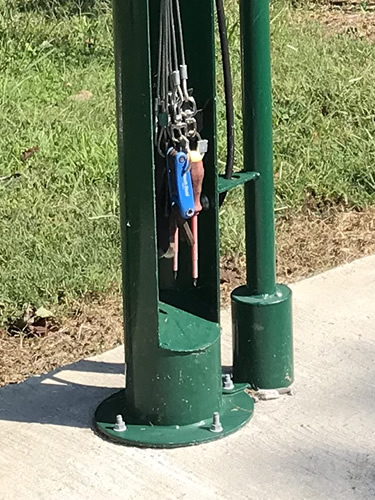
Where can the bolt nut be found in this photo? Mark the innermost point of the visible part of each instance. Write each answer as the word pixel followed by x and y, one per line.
pixel 216 424
pixel 227 382
pixel 120 425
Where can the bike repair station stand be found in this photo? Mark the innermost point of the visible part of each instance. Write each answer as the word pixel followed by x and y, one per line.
pixel 175 392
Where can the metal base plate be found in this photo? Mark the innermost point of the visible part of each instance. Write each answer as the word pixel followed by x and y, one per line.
pixel 236 410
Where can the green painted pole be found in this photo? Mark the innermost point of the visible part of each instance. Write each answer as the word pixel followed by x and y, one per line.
pixel 261 310
pixel 257 133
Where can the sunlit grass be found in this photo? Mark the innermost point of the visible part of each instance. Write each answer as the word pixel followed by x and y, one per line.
pixel 59 227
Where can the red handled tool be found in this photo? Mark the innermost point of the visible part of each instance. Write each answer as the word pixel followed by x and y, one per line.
pixel 197 176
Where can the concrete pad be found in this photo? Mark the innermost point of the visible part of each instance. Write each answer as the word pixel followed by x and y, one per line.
pixel 319 443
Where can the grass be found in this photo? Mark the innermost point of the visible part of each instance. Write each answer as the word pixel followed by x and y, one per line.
pixel 324 118
pixel 59 219
pixel 59 227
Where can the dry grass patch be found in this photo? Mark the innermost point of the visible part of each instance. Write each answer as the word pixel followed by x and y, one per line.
pixel 92 327
pixel 307 244
pixel 354 18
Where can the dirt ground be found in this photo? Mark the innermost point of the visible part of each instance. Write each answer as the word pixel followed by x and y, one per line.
pixel 355 18
pixel 306 244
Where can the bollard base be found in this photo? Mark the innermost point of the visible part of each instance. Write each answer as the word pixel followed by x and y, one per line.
pixel 236 410
pixel 262 338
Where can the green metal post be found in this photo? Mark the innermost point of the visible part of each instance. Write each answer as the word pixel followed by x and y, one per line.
pixel 172 351
pixel 263 351
pixel 257 132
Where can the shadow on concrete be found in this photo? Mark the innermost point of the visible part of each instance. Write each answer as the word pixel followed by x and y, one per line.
pixel 70 395
pixel 59 397
pixel 67 396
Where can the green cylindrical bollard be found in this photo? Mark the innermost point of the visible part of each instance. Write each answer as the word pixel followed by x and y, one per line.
pixel 262 338
pixel 261 310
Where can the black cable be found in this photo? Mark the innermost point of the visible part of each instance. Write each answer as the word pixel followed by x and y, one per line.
pixel 228 92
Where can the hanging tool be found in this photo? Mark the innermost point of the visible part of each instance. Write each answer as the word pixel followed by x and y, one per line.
pixel 180 183
pixel 176 242
pixel 176 134
pixel 194 250
pixel 197 175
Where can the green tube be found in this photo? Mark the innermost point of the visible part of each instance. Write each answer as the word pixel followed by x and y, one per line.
pixel 257 132
pixel 261 310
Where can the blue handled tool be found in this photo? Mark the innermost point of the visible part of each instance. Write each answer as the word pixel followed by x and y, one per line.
pixel 180 183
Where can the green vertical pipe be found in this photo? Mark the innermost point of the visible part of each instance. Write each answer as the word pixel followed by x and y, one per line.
pixel 261 310
pixel 257 134
pixel 136 157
